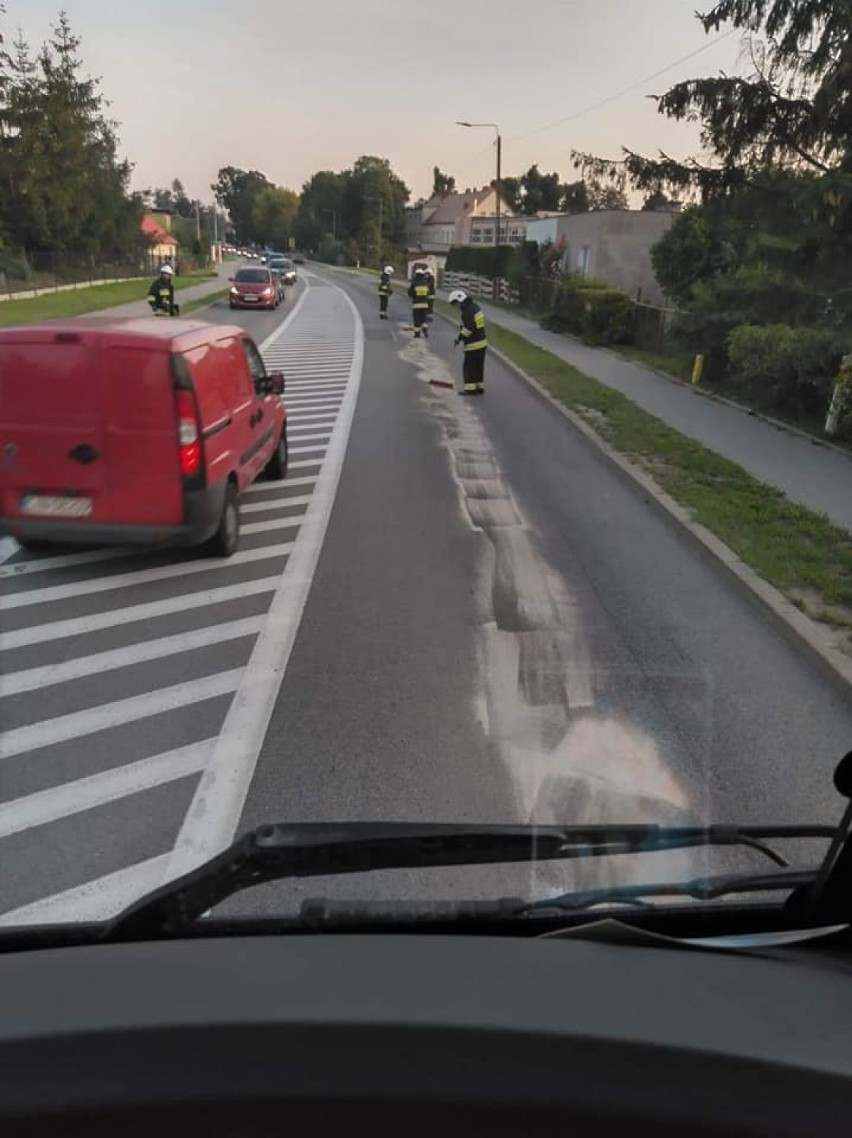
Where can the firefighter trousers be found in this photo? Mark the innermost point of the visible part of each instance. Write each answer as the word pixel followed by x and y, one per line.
pixel 473 369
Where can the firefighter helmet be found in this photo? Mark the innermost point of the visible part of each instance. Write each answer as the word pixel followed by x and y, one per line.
pixel 458 296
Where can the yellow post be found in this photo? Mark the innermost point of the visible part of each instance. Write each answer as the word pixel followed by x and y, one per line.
pixel 697 369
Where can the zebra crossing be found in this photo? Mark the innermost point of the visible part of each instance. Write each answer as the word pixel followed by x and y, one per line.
pixel 130 681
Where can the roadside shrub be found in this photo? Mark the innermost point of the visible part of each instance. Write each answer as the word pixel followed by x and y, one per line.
pixel 784 368
pixel 746 296
pixel 482 260
pixel 592 310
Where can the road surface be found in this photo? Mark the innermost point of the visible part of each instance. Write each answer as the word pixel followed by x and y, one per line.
pixel 450 610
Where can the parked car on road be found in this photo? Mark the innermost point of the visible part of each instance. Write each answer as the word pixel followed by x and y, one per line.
pixel 143 431
pixel 254 286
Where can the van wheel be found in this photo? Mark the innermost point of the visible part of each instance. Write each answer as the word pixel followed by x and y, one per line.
pixel 277 466
pixel 225 540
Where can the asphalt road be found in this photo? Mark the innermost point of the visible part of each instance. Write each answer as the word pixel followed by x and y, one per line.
pixel 476 619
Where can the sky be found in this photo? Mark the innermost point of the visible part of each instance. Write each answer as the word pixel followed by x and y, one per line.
pixel 289 87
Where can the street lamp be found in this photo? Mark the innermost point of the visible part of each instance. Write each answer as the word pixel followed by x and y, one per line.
pixel 374 198
pixel 491 126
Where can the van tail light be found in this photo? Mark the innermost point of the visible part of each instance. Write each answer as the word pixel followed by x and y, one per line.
pixel 189 436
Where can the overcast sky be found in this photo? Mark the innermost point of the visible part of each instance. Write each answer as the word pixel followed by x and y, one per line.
pixel 291 87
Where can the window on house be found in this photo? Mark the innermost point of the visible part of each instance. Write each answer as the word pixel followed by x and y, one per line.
pixel 585 259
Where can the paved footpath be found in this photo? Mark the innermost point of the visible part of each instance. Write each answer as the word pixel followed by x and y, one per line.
pixel 815 476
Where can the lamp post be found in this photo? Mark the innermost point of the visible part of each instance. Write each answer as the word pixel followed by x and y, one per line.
pixel 374 198
pixel 491 126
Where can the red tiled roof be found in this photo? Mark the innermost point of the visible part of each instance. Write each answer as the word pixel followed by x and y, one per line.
pixel 150 228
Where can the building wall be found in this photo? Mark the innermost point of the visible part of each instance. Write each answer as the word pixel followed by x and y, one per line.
pixel 543 229
pixel 615 245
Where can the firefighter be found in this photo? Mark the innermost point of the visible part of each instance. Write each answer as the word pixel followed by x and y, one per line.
pixel 161 294
pixel 430 281
pixel 419 293
pixel 472 335
pixel 385 289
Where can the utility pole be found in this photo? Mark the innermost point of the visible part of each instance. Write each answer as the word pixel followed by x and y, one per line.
pixel 492 126
pixel 374 198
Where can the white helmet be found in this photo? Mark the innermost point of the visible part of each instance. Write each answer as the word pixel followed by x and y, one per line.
pixel 458 296
pixel 389 270
pixel 168 270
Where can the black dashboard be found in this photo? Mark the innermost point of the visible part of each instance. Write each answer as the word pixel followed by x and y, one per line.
pixel 410 1034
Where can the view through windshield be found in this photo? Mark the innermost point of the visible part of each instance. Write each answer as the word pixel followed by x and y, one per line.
pixel 526 500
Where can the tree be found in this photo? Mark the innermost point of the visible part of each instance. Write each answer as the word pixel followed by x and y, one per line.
pixel 574 197
pixel 442 183
pixel 511 192
pixel 63 186
pixel 275 210
pixel 657 201
pixel 237 190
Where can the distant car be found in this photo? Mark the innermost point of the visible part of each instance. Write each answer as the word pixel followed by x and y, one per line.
pixel 285 267
pixel 299 258
pixel 279 282
pixel 254 287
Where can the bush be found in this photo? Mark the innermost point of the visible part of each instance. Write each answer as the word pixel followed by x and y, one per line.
pixel 745 296
pixel 592 310
pixel 784 368
pixel 484 261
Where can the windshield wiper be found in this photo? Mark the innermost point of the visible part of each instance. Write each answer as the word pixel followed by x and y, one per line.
pixel 277 852
pixel 700 888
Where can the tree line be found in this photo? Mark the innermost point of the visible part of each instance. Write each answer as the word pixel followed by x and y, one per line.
pixel 63 187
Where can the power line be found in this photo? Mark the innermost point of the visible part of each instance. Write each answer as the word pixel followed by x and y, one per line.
pixel 624 90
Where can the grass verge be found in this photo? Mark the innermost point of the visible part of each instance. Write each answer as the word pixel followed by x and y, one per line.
pixel 203 302
pixel 799 552
pixel 78 302
pixel 680 366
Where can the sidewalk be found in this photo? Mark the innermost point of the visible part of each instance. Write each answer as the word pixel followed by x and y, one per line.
pixel 817 477
pixel 182 296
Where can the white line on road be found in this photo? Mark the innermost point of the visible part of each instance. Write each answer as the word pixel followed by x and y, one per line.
pixel 275 504
pixel 141 576
pixel 98 789
pixel 47 732
pixel 8 548
pixel 319 435
pixel 65 561
pixel 303 463
pixel 96 900
pixel 215 811
pixel 279 484
pixel 31 679
pixel 308 450
pixel 97 622
pixel 273 524
pixel 329 414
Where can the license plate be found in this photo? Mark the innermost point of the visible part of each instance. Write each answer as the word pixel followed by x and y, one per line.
pixel 54 506
pixel 250 298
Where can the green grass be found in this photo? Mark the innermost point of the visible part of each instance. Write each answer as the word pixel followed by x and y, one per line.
pixel 680 366
pixel 799 552
pixel 78 302
pixel 203 302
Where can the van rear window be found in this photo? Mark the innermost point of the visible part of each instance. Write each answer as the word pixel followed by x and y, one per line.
pixel 252 276
pixel 49 385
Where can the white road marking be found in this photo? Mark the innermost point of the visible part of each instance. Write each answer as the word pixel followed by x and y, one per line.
pixel 96 900
pixel 318 436
pixel 306 402
pixel 97 622
pixel 307 450
pixel 215 811
pixel 8 548
pixel 268 526
pixel 65 561
pixel 276 504
pixel 303 463
pixel 47 732
pixel 30 679
pixel 141 577
pixel 98 789
pixel 315 416
pixel 279 484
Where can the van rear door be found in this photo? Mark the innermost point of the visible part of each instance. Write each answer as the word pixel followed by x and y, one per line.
pixel 142 438
pixel 52 429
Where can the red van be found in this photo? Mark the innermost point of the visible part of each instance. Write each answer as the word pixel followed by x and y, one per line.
pixel 139 431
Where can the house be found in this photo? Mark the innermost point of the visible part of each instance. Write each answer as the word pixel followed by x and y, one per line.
pixel 162 246
pixel 459 218
pixel 612 244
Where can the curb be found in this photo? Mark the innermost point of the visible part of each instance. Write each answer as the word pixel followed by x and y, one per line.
pixel 797 627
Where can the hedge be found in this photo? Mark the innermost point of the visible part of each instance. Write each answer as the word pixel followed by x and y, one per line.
pixel 783 368
pixel 592 310
pixel 484 261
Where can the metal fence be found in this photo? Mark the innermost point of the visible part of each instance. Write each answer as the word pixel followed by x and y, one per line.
pixel 36 273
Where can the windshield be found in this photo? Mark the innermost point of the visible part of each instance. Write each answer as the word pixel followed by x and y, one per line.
pixel 547 523
pixel 252 276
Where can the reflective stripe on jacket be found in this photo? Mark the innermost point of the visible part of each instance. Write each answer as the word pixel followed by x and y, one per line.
pixel 472 330
pixel 419 294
